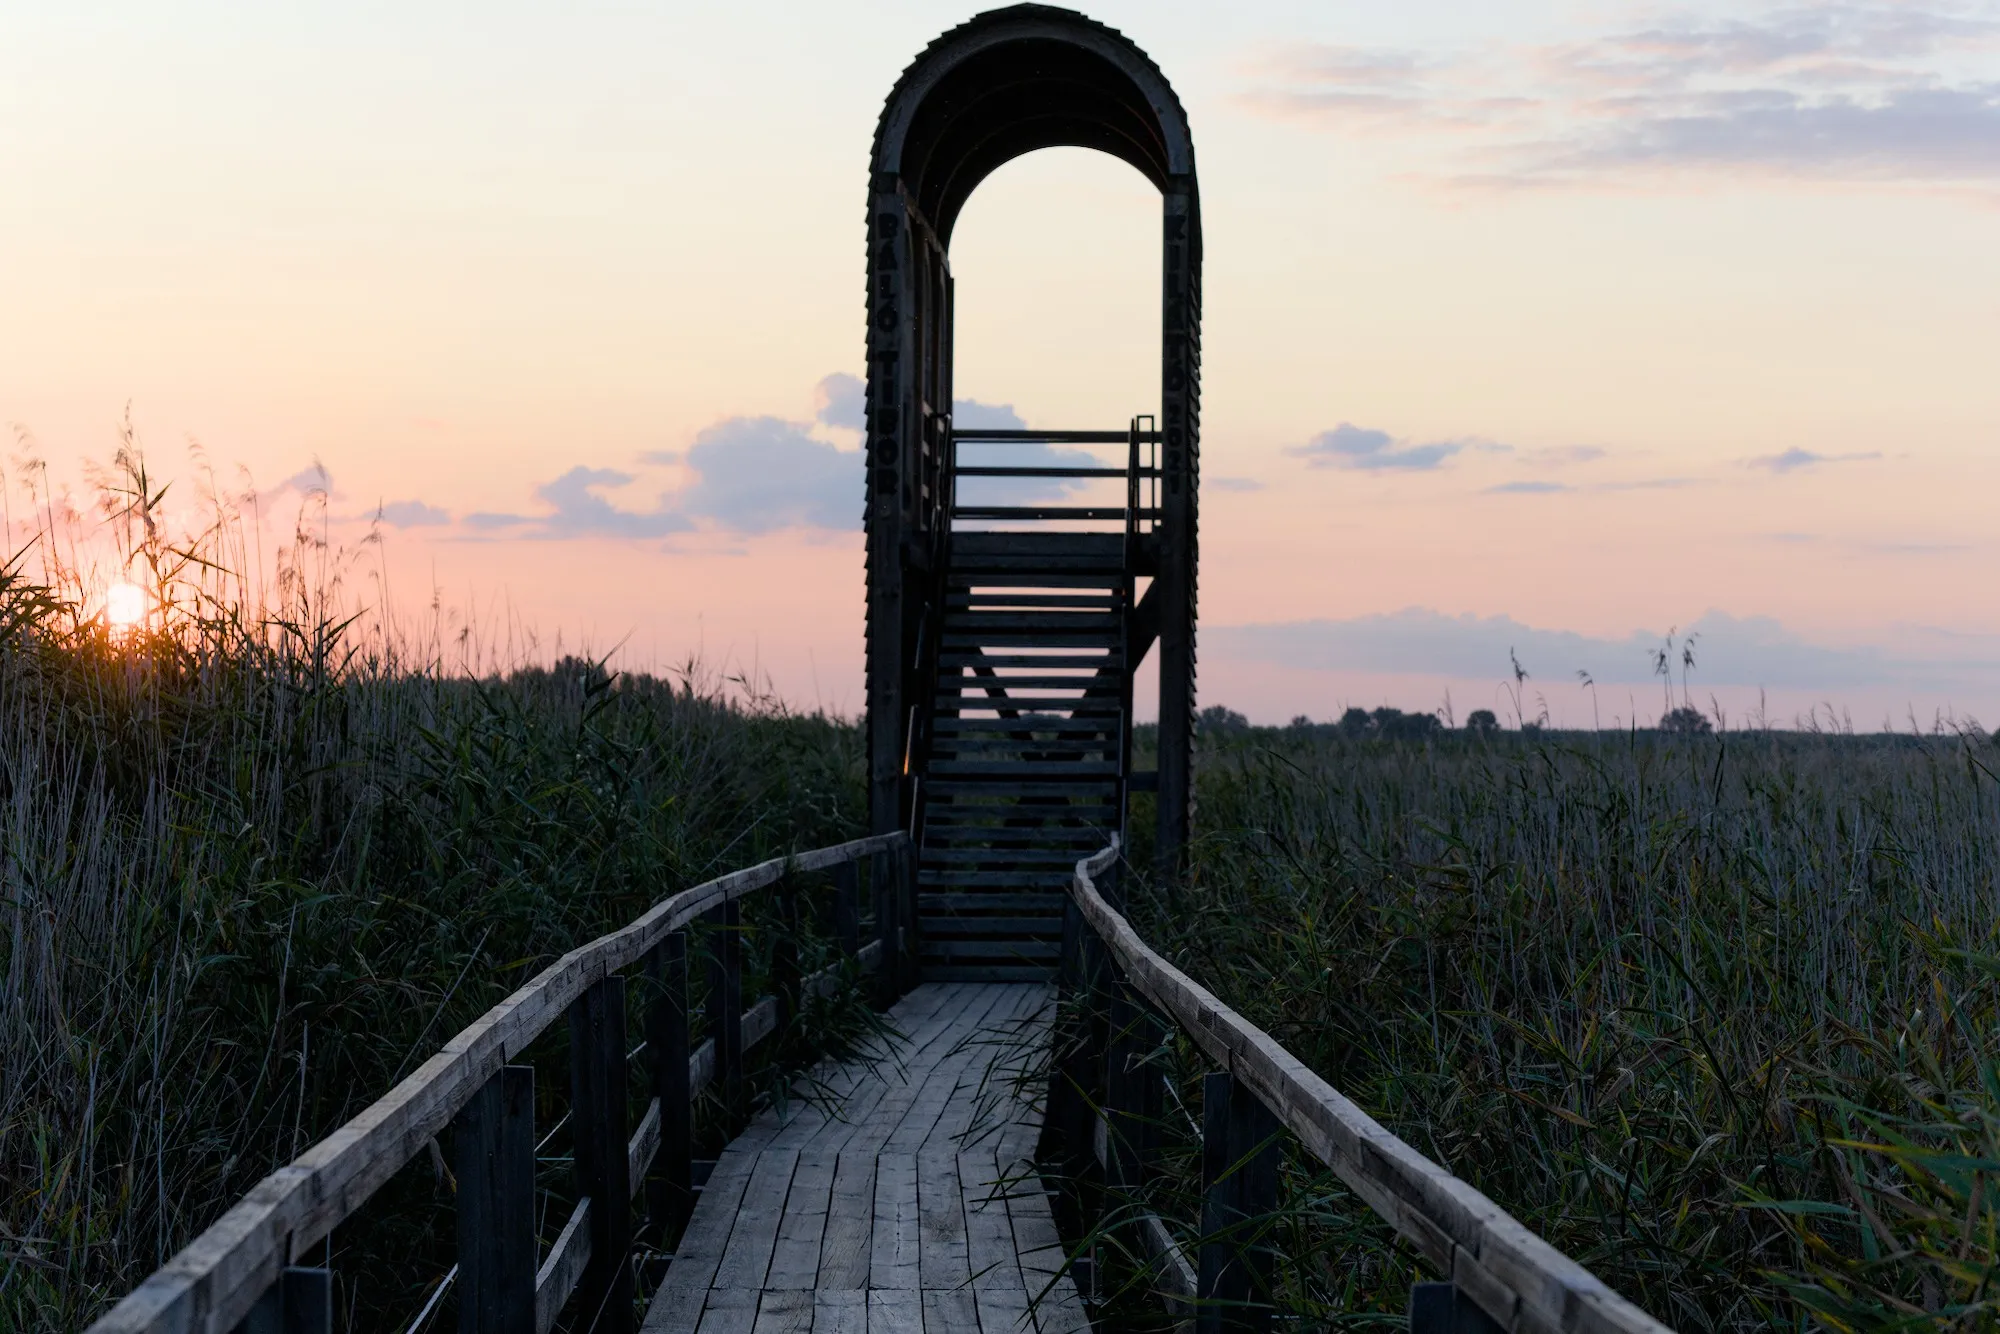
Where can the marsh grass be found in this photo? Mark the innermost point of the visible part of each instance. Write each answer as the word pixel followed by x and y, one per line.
pixel 1718 1016
pixel 262 854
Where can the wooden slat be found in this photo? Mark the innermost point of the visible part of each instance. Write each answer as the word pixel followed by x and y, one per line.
pixel 988 856
pixel 784 1312
pixel 645 1143
pixel 997 879
pixel 1516 1277
pixel 959 924
pixel 840 1311
pixel 987 972
pixel 214 1280
pixel 795 1259
pixel 844 1252
pixel 896 1229
pixel 1033 662
pixel 895 1311
pixel 563 1269
pixel 747 1258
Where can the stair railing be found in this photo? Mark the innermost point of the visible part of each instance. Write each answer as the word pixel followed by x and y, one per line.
pixel 245 1275
pixel 1105 1105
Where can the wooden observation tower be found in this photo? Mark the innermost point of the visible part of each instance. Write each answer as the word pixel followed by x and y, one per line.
pixel 1018 581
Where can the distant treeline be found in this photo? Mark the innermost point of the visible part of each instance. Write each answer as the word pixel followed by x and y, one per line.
pixel 1387 724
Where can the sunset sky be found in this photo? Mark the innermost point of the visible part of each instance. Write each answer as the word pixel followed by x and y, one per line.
pixel 1529 327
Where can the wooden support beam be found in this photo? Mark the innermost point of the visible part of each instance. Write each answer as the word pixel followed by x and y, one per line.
pixel 603 1169
pixel 785 952
pixel 1239 1179
pixel 1443 1308
pixel 493 1153
pixel 1133 1096
pixel 300 1302
pixel 669 1185
pixel 725 1009
pixel 847 909
pixel 883 873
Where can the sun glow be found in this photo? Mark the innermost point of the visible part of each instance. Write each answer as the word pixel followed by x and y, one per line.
pixel 124 606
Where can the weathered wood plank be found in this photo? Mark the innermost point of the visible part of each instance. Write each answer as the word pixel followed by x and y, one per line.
pixel 731 1311
pixel 840 1311
pixel 941 1250
pixel 895 1256
pixel 785 1311
pixel 950 1311
pixel 895 1311
pixel 795 1259
pixel 563 1269
pixel 845 1245
pixel 493 1144
pixel 747 1258
pixel 989 1237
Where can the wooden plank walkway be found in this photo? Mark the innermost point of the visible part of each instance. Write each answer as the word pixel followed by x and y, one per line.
pixel 900 1197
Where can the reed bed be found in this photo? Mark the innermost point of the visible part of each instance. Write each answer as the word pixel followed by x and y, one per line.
pixel 260 856
pixel 1718 1016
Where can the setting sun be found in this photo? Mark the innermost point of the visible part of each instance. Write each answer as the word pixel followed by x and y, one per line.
pixel 124 606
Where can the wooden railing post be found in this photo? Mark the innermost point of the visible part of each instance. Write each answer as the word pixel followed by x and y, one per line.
pixel 1239 1178
pixel 493 1152
pixel 785 953
pixel 725 1008
pixel 603 1167
pixel 907 947
pixel 1443 1308
pixel 1070 1111
pixel 670 1181
pixel 847 908
pixel 300 1302
pixel 884 870
pixel 1133 1097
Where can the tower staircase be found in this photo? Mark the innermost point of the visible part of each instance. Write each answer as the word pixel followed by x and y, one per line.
pixel 1024 763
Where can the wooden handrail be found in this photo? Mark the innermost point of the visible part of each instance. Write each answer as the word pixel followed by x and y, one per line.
pixel 1518 1279
pixel 215 1280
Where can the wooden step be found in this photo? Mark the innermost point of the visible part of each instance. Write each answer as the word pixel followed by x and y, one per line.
pixel 1033 662
pixel 982 600
pixel 1025 928
pixel 1014 880
pixel 995 581
pixel 994 900
pixel 1029 622
pixel 1030 750
pixel 1072 640
pixel 1040 834
pixel 1100 690
pixel 1104 789
pixel 989 949
pixel 1050 773
pixel 939 971
pixel 1038 857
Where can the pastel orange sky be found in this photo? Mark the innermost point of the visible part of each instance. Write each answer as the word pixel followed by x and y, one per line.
pixel 1531 326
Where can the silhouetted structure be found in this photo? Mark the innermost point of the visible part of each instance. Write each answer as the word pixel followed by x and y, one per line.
pixel 1005 631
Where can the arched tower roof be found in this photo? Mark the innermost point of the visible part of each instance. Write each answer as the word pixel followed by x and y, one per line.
pixel 1014 80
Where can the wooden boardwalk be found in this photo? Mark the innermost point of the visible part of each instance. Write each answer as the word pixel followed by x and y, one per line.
pixel 899 1198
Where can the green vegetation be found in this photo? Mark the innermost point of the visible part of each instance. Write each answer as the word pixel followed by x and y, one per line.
pixel 256 867
pixel 1718 1015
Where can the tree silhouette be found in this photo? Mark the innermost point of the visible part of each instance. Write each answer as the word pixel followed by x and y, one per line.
pixel 1686 721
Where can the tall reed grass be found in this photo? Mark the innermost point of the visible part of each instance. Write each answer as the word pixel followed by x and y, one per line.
pixel 1718 1016
pixel 260 855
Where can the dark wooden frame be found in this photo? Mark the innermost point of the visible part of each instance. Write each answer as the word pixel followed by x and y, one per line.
pixel 1034 77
